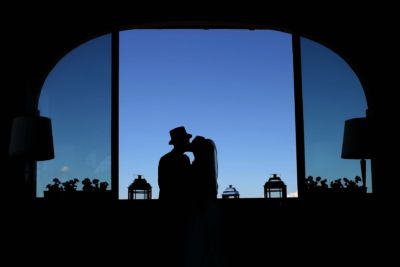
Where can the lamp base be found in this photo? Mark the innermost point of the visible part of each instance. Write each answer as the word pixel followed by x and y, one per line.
pixel 363 165
pixel 30 179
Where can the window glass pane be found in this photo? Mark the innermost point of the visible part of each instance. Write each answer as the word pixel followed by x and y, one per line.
pixel 233 86
pixel 332 94
pixel 77 98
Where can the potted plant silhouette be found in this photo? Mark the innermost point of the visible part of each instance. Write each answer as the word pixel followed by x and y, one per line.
pixel 58 190
pixel 318 185
pixel 91 189
pixel 70 185
pixel 94 185
pixel 55 187
pixel 342 187
pixel 349 187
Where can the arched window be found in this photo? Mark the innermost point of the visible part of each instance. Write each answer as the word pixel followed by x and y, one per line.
pixel 233 86
pixel 332 94
pixel 77 97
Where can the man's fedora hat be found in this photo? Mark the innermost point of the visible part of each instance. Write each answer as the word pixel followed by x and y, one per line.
pixel 178 133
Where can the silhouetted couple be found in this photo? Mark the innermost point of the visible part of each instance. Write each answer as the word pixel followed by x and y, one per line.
pixel 180 180
pixel 189 191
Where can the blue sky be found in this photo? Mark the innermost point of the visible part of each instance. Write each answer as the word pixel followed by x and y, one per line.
pixel 233 86
pixel 332 94
pixel 77 97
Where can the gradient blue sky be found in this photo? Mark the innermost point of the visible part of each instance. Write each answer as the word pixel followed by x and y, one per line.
pixel 77 98
pixel 233 86
pixel 332 93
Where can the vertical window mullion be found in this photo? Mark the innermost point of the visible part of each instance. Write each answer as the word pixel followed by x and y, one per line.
pixel 115 115
pixel 298 98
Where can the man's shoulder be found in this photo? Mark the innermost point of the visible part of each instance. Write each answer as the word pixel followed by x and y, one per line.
pixel 173 156
pixel 166 156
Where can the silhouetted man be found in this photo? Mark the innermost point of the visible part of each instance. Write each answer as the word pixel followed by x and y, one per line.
pixel 173 180
pixel 174 167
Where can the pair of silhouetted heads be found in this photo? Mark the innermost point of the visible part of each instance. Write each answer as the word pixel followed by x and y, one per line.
pixel 180 139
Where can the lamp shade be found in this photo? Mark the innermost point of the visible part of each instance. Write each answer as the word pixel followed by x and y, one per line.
pixel 32 138
pixel 356 142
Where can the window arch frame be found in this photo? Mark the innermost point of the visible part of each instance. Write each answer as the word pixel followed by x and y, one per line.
pixel 297 78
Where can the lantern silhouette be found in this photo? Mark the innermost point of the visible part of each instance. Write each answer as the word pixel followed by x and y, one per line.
pixel 275 188
pixel 139 189
pixel 230 192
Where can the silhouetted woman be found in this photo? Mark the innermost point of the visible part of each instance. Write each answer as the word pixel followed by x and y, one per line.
pixel 204 171
pixel 202 232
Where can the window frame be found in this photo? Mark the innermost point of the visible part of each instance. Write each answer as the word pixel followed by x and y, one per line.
pixel 298 97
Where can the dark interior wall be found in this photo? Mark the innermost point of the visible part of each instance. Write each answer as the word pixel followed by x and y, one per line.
pixel 35 40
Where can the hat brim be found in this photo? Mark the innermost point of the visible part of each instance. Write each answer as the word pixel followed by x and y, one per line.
pixel 187 136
